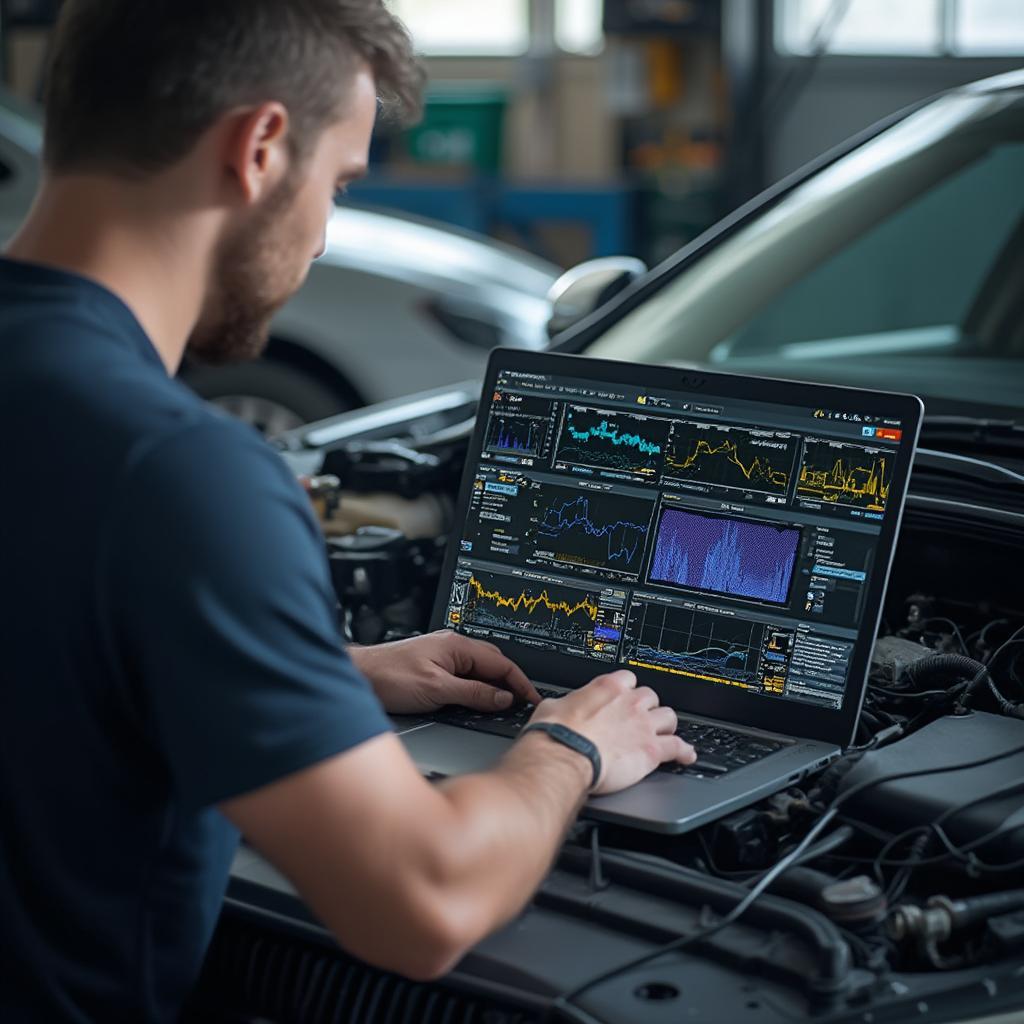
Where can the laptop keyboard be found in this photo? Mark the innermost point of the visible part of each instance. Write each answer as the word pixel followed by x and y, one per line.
pixel 504 723
pixel 720 750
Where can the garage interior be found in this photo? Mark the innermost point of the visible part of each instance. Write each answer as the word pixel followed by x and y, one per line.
pixel 828 192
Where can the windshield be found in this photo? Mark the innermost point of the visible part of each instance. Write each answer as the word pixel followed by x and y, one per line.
pixel 899 266
pixel 20 122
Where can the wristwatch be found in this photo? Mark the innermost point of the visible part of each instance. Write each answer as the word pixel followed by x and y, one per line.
pixel 573 740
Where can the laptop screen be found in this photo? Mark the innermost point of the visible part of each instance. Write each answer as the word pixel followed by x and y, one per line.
pixel 710 542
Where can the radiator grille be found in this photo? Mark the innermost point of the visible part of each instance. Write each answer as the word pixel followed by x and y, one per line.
pixel 252 973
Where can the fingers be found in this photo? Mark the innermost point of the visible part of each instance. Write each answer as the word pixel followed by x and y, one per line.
pixel 665 721
pixel 476 694
pixel 646 698
pixel 481 660
pixel 672 748
pixel 622 679
pixel 613 682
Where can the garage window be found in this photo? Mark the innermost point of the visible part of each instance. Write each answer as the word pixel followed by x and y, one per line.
pixel 912 28
pixel 454 28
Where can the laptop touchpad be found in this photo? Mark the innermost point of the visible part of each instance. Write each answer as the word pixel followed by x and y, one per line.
pixel 453 751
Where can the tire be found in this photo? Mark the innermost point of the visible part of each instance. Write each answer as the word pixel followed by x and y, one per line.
pixel 269 395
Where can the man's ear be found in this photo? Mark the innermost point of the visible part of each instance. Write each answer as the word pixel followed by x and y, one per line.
pixel 257 153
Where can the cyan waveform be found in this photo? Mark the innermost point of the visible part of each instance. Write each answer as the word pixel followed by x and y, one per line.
pixel 725 556
pixel 623 537
pixel 608 433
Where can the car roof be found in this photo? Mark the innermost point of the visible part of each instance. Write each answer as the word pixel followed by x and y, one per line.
pixel 402 246
pixel 997 83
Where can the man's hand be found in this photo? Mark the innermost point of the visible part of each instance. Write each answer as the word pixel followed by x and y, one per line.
pixel 422 674
pixel 633 731
pixel 443 865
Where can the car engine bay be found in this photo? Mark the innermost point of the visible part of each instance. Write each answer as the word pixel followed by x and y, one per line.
pixel 883 888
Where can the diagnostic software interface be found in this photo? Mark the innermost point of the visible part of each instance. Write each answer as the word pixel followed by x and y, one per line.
pixel 726 541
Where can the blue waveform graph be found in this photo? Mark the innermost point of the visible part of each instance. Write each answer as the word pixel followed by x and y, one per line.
pixel 710 658
pixel 612 440
pixel 720 555
pixel 695 644
pixel 509 438
pixel 520 435
pixel 607 531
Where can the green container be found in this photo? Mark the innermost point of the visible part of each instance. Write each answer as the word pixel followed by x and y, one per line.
pixel 461 127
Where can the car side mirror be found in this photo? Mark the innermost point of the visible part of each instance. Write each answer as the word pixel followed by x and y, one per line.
pixel 583 288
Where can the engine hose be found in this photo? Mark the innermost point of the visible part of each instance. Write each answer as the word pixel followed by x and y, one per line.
pixel 691 887
pixel 941 668
pixel 964 913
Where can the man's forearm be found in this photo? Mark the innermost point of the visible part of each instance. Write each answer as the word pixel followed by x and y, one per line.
pixel 511 822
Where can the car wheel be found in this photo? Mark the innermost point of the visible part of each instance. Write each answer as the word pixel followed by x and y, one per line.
pixel 269 395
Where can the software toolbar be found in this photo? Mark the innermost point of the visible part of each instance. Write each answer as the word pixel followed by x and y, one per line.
pixel 721 541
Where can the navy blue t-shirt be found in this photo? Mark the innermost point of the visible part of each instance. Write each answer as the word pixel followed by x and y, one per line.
pixel 168 641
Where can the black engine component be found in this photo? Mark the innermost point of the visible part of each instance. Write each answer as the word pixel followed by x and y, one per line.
pixel 892 656
pixel 856 902
pixel 744 841
pixel 385 582
pixel 368 467
pixel 1005 933
pixel 971 803
pixel 942 919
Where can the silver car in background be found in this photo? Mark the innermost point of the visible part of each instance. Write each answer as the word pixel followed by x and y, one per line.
pixel 395 304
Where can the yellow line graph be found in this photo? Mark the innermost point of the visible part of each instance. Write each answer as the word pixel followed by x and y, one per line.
pixel 530 603
pixel 702 447
pixel 866 483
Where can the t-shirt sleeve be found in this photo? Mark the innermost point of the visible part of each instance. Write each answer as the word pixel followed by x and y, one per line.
pixel 224 619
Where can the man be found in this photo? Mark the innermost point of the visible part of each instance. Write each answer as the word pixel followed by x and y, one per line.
pixel 172 671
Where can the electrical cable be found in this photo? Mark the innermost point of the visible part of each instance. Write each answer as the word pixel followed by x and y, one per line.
pixel 823 847
pixel 890 840
pixel 983 632
pixel 898 883
pixel 910 694
pixel 980 676
pixel 709 857
pixel 937 668
pixel 955 627
pixel 891 862
pixel 565 1004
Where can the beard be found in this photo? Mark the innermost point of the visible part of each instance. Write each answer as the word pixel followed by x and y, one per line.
pixel 254 275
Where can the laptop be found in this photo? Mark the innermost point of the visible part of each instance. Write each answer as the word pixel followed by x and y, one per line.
pixel 726 538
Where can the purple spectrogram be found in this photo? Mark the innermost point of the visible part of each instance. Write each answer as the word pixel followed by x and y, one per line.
pixel 725 556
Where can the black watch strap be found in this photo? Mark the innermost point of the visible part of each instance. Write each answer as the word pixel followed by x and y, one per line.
pixel 573 740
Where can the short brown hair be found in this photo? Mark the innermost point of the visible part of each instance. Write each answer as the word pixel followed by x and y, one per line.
pixel 133 84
